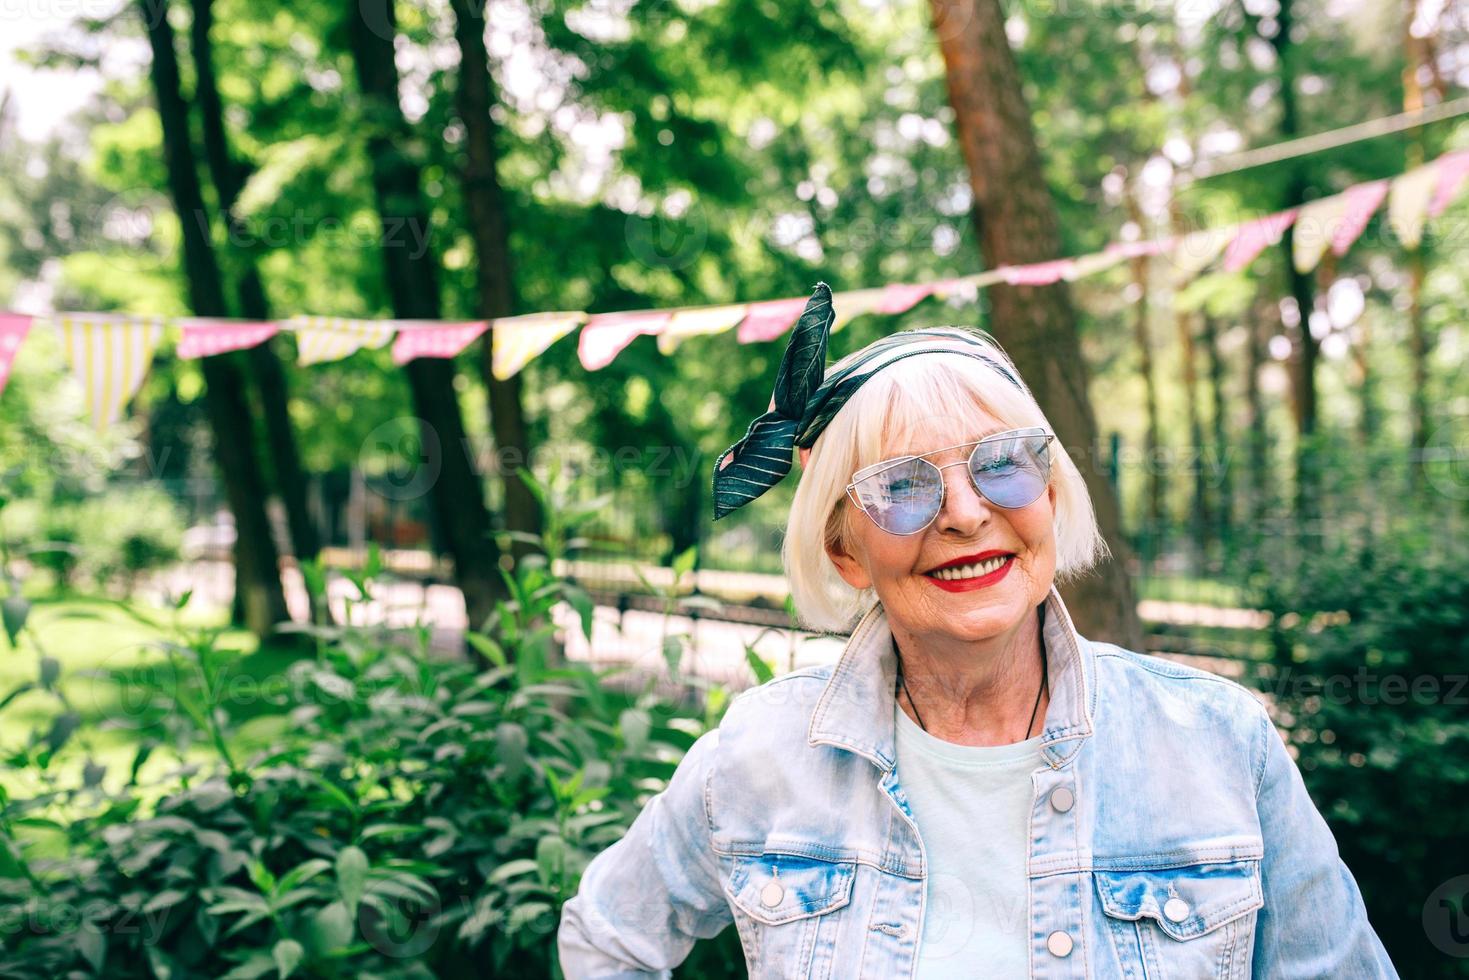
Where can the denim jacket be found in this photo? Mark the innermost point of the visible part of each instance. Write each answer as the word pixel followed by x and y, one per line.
pixel 1170 835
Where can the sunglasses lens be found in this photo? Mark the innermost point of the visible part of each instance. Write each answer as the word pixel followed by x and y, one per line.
pixel 902 498
pixel 1012 472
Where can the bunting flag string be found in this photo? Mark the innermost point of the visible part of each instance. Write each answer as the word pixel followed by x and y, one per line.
pixel 518 340
pixel 320 339
pixel 110 353
pixel 1408 200
pixel 1254 237
pixel 427 338
pixel 606 334
pixel 13 330
pixel 203 337
pixel 690 323
pixel 1453 170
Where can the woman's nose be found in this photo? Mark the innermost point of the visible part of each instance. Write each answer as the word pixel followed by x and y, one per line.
pixel 964 508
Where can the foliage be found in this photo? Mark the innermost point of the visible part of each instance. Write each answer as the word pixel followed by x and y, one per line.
pixel 115 536
pixel 1370 641
pixel 415 816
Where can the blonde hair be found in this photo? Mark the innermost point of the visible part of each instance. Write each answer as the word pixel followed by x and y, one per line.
pixel 887 410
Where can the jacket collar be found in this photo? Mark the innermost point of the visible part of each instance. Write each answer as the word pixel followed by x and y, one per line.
pixel 855 710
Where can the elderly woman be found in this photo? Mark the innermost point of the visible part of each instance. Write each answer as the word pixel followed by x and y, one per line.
pixel 974 789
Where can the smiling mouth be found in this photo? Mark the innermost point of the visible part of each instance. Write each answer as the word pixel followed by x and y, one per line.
pixel 976 569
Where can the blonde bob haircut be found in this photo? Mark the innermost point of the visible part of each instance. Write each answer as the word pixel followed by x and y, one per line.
pixel 913 393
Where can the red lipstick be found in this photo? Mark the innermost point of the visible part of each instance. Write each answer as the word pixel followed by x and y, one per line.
pixel 970 584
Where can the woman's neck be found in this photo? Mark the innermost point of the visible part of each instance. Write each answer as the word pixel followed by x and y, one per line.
pixel 975 693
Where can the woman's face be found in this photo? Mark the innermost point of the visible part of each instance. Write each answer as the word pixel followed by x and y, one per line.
pixel 898 566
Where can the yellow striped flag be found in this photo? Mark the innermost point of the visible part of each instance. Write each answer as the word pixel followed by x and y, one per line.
pixel 1407 202
pixel 329 338
pixel 515 341
pixel 110 355
pixel 699 320
pixel 1195 250
pixel 855 303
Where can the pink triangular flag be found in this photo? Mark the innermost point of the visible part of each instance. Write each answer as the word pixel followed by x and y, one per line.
pixel 1037 273
pixel 206 337
pixel 1453 169
pixel 770 319
pixel 1363 200
pixel 13 330
pixel 901 297
pixel 606 334
pixel 1253 236
pixel 434 339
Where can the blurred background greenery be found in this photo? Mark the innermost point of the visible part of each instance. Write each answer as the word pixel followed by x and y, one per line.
pixel 207 789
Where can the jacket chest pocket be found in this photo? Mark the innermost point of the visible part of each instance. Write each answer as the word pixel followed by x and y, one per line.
pixel 1191 922
pixel 785 910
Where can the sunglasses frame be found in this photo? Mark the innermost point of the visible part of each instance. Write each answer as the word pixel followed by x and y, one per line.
pixel 887 464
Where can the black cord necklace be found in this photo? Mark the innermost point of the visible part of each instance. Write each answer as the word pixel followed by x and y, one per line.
pixel 902 684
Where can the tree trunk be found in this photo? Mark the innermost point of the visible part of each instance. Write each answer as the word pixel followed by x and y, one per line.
pixel 1416 57
pixel 412 276
pixel 257 569
pixel 1015 219
pixel 489 228
pixel 1306 349
pixel 284 459
pixel 1183 322
pixel 1258 424
pixel 1220 502
pixel 1142 337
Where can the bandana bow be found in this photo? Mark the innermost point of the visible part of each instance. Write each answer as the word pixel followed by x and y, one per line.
pixel 806 400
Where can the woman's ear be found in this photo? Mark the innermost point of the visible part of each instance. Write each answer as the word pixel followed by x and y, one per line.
pixel 851 569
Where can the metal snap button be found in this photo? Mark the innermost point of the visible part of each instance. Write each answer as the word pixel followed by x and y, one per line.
pixel 772 893
pixel 1175 909
pixel 1059 943
pixel 1062 799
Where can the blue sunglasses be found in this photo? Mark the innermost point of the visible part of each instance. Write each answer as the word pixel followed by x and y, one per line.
pixel 904 495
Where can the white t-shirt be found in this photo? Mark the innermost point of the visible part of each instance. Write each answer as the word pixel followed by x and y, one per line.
pixel 972 806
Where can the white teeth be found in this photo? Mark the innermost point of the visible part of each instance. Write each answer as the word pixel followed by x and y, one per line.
pixel 970 571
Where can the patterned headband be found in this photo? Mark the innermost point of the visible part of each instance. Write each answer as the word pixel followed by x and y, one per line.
pixel 806 399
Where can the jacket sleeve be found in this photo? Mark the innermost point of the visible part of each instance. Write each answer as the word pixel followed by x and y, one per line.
pixel 1313 923
pixel 644 900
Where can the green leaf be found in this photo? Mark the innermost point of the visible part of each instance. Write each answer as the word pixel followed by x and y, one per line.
pixel 581 601
pixel 256 966
pixel 92 944
pixel 761 669
pixel 636 725
pixel 27 686
pixel 510 869
pixel 167 898
pixel 524 913
pixel 673 651
pixel 160 962
pixel 330 928
pixel 684 563
pixel 492 650
pixel 287 954
pixel 14 611
pixel 351 877
pixel 303 873
pixel 551 857
pixel 50 671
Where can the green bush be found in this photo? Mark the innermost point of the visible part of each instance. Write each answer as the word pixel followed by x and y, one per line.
pixel 129 531
pixel 114 537
pixel 414 817
pixel 1370 658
